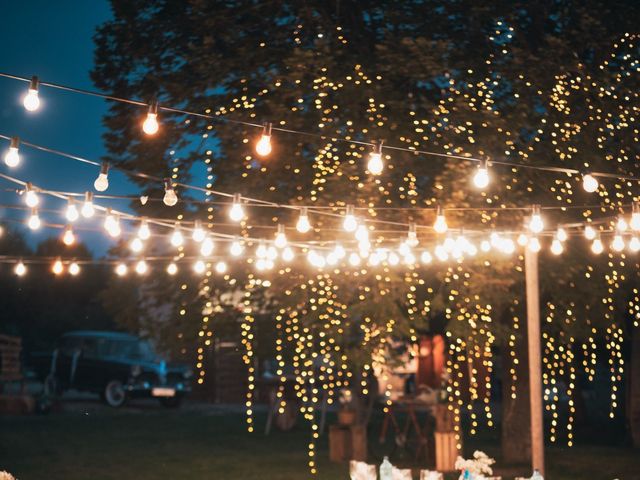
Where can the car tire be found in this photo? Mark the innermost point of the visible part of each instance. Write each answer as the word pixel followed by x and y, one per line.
pixel 114 394
pixel 51 386
pixel 171 402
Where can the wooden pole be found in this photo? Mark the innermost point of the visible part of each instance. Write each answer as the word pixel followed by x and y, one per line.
pixel 535 360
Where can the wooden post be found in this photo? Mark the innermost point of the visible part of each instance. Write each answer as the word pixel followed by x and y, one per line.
pixel 535 360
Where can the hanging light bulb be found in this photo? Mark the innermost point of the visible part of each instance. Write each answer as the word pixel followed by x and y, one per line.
pixel 87 209
pixel 635 217
pixel 172 269
pixel 68 238
pixel 170 198
pixel 236 248
pixel 263 146
pixel 621 224
pixel 589 232
pixel 393 259
pixel 425 257
pixel 340 251
pixel 350 223
pixel 198 232
pixel 481 178
pixel 281 238
pixel 207 246
pixel 404 249
pixel 136 245
pixel 72 213
pixel 34 221
pixel 221 267
pixel 74 269
pixel 141 267
pixel 143 231
pixel 441 253
pixel 440 225
pixel 375 165
pixel 597 247
pixel 272 253
pixel 176 237
pixel 121 269
pixel 57 268
pixel 536 225
pixel 112 224
pixel 30 196
pixel 561 234
pixel 485 245
pixel 199 267
pixel 102 182
pixel 20 269
pixel 12 157
pixel 634 244
pixel 303 225
pixel 523 239
pixel 236 212
pixel 534 244
pixel 362 234
pixel 618 243
pixel 589 183
pixel 556 246
pixel 287 254
pixel 412 236
pixel 31 100
pixel 354 259
pixel 150 125
pixel 261 250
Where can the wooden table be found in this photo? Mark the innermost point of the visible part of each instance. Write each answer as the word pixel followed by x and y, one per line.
pixel 423 431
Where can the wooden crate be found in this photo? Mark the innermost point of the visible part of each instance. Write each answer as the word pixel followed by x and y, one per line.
pixel 347 443
pixel 445 419
pixel 446 451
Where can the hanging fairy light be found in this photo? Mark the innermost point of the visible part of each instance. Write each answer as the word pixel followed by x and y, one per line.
pixel 354 259
pixel 112 224
pixel 440 225
pixel 425 257
pixel 485 245
pixel 556 246
pixel 634 244
pixel 263 146
pixel 74 269
pixel 12 157
pixel 618 242
pixel 199 267
pixel 68 238
pixel 261 250
pixel 221 267
pixel 589 232
pixel 481 178
pixel 236 212
pixel 144 233
pixel 121 269
pixel 281 238
pixel 350 223
pixel 561 234
pixel 393 259
pixel 88 210
pixel 362 234
pixel 271 253
pixel 635 217
pixel 136 245
pixel 621 224
pixel 170 198
pixel 589 183
pixel 339 251
pixel 412 236
pixel 150 125
pixel 71 213
pixel 142 267
pixel 102 182
pixel 34 221
pixel 198 233
pixel 236 248
pixel 57 268
pixel 176 237
pixel 303 225
pixel 31 100
pixel 523 239
pixel 534 244
pixel 172 268
pixel 206 247
pixel 536 225
pixel 597 247
pixel 375 164
pixel 20 269
pixel 30 196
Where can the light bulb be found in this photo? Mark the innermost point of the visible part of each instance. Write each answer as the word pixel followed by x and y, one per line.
pixel 87 209
pixel 589 183
pixel 303 225
pixel 20 269
pixel 354 259
pixel 621 224
pixel 102 182
pixel 136 245
pixel 74 269
pixel 31 100
pixel 412 236
pixel 404 249
pixel 596 246
pixel 207 246
pixel 72 213
pixel 441 253
pixel 534 244
pixel 634 244
pixel 236 248
pixel 375 164
pixel 350 223
pixel 523 239
pixel 589 232
pixel 12 157
pixel 57 267
pixel 281 238
pixel 199 267
pixel 618 243
pixel 34 221
pixel 508 246
pixel 440 225
pixel 263 146
pixel 261 250
pixel 172 269
pixel 272 253
pixel 236 212
pixel 481 178
pixel 362 234
pixel 150 125
pixel 30 196
pixel 68 238
pixel 170 198
pixel 485 245
pixel 556 246
pixel 561 234
pixel 221 267
pixel 332 259
pixel 142 267
pixel 144 233
pixel 176 237
pixel 121 269
pixel 339 251
pixel 635 217
pixel 425 257
pixel 393 259
pixel 536 225
pixel 198 232
pixel 112 224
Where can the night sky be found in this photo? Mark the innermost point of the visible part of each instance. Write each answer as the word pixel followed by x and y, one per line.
pixel 54 40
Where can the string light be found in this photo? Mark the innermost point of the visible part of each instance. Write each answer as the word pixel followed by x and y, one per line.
pixel 57 267
pixel 375 165
pixel 31 100
pixel 536 225
pixel 236 248
pixel 303 225
pixel 534 244
pixel 12 157
pixel 102 182
pixel 425 257
pixel 112 224
pixel 199 267
pixel 440 225
pixel 30 196
pixel 142 267
pixel 74 269
pixel 412 236
pixel 176 237
pixel 207 246
pixel 589 183
pixel 350 223
pixel 34 221
pixel 287 254
pixel 561 234
pixel 144 233
pixel 556 246
pixel 20 269
pixel 281 238
pixel 136 245
pixel 72 213
pixel 87 209
pixel 68 238
pixel 362 234
pixel 121 269
pixel 236 212
pixel 635 217
pixel 618 243
pixel 172 269
pixel 481 178
pixel 634 244
pixel 198 233
pixel 170 198
pixel 221 267
pixel 597 247
pixel 263 146
pixel 589 232
pixel 150 125
pixel 621 224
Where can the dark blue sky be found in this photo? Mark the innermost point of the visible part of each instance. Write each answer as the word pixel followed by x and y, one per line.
pixel 54 41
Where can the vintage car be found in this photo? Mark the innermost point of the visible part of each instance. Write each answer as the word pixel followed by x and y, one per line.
pixel 118 366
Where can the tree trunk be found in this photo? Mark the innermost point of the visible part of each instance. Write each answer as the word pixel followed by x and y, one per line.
pixel 634 387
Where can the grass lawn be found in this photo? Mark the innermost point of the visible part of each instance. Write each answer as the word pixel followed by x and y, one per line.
pixel 100 444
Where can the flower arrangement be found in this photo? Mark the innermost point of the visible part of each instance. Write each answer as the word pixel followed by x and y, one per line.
pixel 478 466
pixel 6 476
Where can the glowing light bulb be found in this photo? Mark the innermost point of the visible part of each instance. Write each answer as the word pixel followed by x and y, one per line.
pixel 481 178
pixel 404 249
pixel 523 239
pixel 12 157
pixel 425 257
pixel 112 224
pixel 339 251
pixel 72 213
pixel 441 253
pixel 536 225
pixel 198 234
pixel 303 225
pixel 176 237
pixel 172 269
pixel 272 253
pixel 556 246
pixel 68 238
pixel 597 247
pixel 362 234
pixel 635 217
pixel 20 269
pixel 221 267
pixel 236 212
pixel 170 198
pixel 508 246
pixel 281 238
pixel 634 244
pixel 375 164
pixel 261 250
pixel 412 236
pixel 150 125
pixel 31 100
pixel 121 269
pixel 621 224
pixel 199 267
pixel 561 234
pixel 393 259
pixel 350 223
pixel 142 267
pixel 88 209
pixel 34 221
pixel 589 232
pixel 74 269
pixel 263 146
pixel 144 233
pixel 102 182
pixel 534 244
pixel 57 268
pixel 440 225
pixel 207 246
pixel 236 248
pixel 618 243
pixel 589 183
pixel 136 245
pixel 485 245
pixel 30 196
pixel 354 259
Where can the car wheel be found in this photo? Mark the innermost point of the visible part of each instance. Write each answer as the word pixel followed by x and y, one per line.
pixel 114 394
pixel 51 386
pixel 171 402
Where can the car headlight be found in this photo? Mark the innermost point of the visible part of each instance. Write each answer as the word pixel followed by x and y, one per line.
pixel 136 370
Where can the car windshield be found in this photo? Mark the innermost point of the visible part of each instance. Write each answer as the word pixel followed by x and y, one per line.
pixel 135 349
